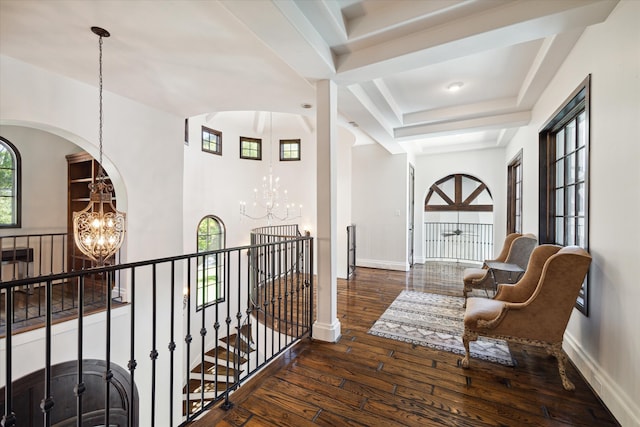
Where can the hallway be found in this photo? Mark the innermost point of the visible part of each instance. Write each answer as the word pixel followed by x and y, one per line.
pixel 368 380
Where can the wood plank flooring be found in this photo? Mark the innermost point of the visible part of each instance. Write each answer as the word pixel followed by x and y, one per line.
pixel 30 307
pixel 367 380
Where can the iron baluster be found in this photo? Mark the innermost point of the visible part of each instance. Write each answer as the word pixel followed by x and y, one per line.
pixel 80 386
pixel 132 344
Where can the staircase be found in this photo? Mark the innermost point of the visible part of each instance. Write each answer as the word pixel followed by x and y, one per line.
pixel 219 372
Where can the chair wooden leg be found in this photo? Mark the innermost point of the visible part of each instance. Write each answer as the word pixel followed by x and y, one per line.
pixel 466 337
pixel 558 353
pixel 465 292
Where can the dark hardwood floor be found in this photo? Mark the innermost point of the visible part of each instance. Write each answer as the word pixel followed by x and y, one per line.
pixel 367 380
pixel 30 308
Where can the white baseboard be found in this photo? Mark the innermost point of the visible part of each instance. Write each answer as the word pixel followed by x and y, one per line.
pixel 382 264
pixel 623 408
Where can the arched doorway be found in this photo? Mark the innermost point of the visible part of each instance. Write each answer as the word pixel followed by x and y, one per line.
pixel 123 396
pixel 458 217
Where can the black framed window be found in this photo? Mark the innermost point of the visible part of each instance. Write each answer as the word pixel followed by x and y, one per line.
pixel 210 271
pixel 514 195
pixel 211 141
pixel 289 149
pixel 250 148
pixel 564 177
pixel 10 185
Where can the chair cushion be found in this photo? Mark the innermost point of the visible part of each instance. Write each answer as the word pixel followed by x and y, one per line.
pixel 471 275
pixel 483 313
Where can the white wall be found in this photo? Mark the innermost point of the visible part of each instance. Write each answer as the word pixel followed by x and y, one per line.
pixel 344 150
pixel 44 197
pixel 143 154
pixel 486 165
pixel 215 185
pixel 27 348
pixel 44 201
pixel 605 346
pixel 379 191
pixel 142 147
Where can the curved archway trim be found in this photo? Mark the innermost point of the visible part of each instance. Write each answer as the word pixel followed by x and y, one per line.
pixel 455 201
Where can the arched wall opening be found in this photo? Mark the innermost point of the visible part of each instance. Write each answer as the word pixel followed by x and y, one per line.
pixel 458 218
pixel 45 196
pixel 82 145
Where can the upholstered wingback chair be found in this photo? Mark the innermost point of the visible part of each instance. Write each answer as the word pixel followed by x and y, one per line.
pixel 536 318
pixel 519 248
pixel 524 288
pixel 506 247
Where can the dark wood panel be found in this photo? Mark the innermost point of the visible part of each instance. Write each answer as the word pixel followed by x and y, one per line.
pixel 367 380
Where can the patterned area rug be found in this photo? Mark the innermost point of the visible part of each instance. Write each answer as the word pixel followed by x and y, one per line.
pixel 435 321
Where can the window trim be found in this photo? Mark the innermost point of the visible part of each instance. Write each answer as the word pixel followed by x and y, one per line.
pixel 17 184
pixel 244 139
pixel 514 199
pixel 186 131
pixel 569 110
pixel 290 141
pixel 213 132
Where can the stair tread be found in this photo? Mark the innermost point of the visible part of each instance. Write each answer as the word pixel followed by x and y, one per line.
pixel 243 345
pixel 213 369
pixel 222 354
pixel 209 386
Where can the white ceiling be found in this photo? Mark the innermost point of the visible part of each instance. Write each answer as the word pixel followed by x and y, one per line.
pixel 392 59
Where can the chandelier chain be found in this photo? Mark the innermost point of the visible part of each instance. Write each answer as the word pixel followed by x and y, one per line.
pixel 100 171
pixel 99 229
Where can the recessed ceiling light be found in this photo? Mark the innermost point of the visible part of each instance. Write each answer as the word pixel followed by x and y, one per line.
pixel 454 87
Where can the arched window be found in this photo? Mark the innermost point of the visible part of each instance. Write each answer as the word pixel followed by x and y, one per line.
pixel 10 178
pixel 210 272
pixel 459 219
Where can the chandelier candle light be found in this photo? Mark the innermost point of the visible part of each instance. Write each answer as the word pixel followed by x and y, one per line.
pixel 269 196
pixel 99 229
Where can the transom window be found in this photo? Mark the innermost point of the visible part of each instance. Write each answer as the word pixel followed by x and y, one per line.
pixel 210 271
pixel 250 148
pixel 211 140
pixel 564 173
pixel 289 149
pixel 514 195
pixel 458 192
pixel 10 180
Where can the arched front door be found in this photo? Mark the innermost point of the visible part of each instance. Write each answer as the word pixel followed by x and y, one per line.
pixel 458 216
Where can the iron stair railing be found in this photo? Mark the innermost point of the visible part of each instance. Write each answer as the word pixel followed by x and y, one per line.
pixel 151 334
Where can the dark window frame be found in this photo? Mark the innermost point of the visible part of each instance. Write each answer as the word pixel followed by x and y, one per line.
pixel 258 141
pixel 17 184
pixel 281 150
pixel 514 194
pixel 186 131
pixel 218 134
pixel 458 202
pixel 576 104
pixel 204 261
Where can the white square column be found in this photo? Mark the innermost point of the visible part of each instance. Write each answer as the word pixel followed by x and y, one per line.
pixel 327 326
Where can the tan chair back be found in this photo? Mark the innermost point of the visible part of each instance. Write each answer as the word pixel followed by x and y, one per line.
pixel 522 290
pixel 508 241
pixel 553 300
pixel 521 249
